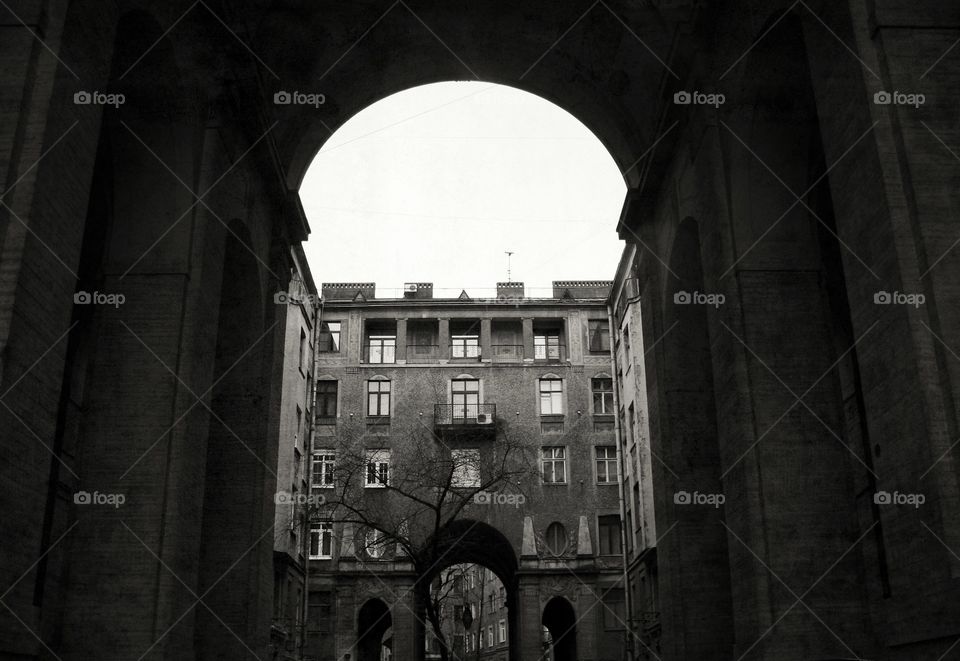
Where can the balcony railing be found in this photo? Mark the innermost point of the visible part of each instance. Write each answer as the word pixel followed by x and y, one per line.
pixel 506 353
pixel 550 352
pixel 379 353
pixel 464 414
pixel 423 353
pixel 464 352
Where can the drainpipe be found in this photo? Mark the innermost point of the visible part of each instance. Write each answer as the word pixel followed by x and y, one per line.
pixel 317 311
pixel 621 457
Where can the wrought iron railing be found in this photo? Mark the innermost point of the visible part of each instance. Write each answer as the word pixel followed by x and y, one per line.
pixel 465 414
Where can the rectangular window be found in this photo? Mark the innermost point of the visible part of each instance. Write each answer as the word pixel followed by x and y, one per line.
pixel 546 347
pixel 303 350
pixel 329 340
pixel 599 333
pixel 602 396
pixel 554 465
pixel 464 346
pixel 324 462
pixel 614 612
pixel 326 399
pixel 490 635
pixel 296 433
pixel 466 468
pixel 321 540
pixel 378 398
pixel 382 349
pixel 378 468
pixel 551 397
pixel 465 394
pixel 607 472
pixel 502 630
pixel 608 527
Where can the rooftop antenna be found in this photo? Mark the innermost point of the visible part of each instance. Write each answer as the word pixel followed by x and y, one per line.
pixel 509 254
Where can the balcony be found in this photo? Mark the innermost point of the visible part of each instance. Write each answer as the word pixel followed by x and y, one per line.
pixel 423 353
pixel 506 353
pixel 465 352
pixel 456 416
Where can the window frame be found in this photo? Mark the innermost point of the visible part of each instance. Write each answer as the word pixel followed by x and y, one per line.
pixel 381 395
pixel 603 519
pixel 599 328
pixel 379 460
pixel 606 460
pixel 323 531
pixel 554 460
pixel 330 338
pixel 325 400
pixel 553 396
pixel 605 395
pixel 326 459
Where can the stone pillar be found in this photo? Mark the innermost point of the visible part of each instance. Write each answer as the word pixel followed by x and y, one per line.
pixel 528 619
pixel 401 352
pixel 486 343
pixel 444 340
pixel 527 339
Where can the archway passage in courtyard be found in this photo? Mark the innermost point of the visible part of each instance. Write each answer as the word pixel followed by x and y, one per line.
pixel 560 620
pixel 374 624
pixel 479 545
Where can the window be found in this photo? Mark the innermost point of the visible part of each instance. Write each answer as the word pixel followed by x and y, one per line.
pixel 329 340
pixel 458 613
pixel 490 635
pixel 378 398
pixel 465 395
pixel 466 468
pixel 551 397
pixel 375 543
pixel 554 465
pixel 608 527
pixel 602 396
pixel 296 433
pixel 303 350
pixel 606 456
pixel 326 399
pixel 630 432
pixel 321 540
pixel 464 346
pixel 614 612
pixel 382 349
pixel 324 462
pixel 378 468
pixel 556 538
pixel 599 335
pixel 502 630
pixel 546 347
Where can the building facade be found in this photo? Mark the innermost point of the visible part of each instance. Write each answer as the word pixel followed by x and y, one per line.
pixel 472 372
pixel 301 302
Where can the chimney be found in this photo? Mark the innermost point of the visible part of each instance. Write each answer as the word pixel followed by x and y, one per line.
pixel 580 289
pixel 511 290
pixel 418 290
pixel 347 291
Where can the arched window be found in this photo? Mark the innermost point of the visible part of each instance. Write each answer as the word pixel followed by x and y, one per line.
pixel 556 538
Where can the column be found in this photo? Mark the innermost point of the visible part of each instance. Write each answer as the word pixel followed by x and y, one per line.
pixel 527 339
pixel 486 344
pixel 444 340
pixel 401 352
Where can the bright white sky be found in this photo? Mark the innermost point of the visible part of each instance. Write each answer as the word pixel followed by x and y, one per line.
pixel 433 184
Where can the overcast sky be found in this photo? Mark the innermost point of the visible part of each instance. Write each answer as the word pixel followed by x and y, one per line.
pixel 435 183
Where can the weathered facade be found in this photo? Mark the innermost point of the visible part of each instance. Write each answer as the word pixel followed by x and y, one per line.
pixel 524 367
pixel 818 198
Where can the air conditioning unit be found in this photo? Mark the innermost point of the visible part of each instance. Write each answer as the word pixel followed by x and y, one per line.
pixel 484 419
pixel 410 288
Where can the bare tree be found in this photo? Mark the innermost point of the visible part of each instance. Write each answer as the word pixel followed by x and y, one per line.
pixel 407 502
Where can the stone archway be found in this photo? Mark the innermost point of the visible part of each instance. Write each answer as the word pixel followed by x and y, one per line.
pixel 374 622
